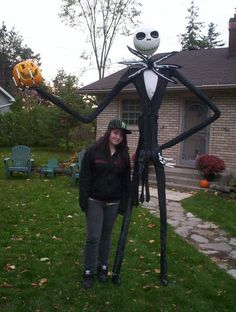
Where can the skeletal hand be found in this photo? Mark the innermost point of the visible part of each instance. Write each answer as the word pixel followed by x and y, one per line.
pixel 164 162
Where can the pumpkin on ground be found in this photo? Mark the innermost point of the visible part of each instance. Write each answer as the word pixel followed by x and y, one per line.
pixel 204 183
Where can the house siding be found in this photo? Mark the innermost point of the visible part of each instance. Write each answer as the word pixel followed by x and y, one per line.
pixel 112 111
pixel 222 133
pixel 4 109
pixel 5 101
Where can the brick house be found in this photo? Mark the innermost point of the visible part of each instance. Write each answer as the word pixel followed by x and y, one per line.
pixel 211 70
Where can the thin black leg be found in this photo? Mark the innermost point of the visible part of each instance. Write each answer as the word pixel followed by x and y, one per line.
pixel 160 175
pixel 121 245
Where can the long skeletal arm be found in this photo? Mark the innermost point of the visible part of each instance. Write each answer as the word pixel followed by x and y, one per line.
pixel 200 126
pixel 86 119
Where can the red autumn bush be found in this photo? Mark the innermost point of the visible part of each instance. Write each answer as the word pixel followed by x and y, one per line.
pixel 210 164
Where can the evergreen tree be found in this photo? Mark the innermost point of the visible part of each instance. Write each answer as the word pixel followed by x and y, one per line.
pixel 194 38
pixel 12 51
pixel 193 29
pixel 211 41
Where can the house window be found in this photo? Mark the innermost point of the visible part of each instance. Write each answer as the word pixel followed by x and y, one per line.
pixel 131 111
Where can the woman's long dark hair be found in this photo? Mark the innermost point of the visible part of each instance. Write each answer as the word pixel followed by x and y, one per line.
pixel 121 149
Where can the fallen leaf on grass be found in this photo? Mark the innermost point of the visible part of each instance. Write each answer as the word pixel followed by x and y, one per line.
pixel 10 267
pixel 56 238
pixel 157 271
pixel 6 285
pixel 151 225
pixel 17 238
pixel 188 292
pixel 219 292
pixel 56 306
pixel 151 241
pixel 40 282
pixel 43 281
pixel 44 259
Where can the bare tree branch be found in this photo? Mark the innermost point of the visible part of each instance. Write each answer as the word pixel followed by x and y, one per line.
pixel 102 20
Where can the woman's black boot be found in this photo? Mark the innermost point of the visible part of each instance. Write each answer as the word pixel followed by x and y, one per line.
pixel 88 279
pixel 102 273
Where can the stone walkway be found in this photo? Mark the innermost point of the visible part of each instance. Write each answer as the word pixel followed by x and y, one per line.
pixel 206 236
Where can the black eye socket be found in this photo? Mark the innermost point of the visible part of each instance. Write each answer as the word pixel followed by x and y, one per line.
pixel 154 34
pixel 140 35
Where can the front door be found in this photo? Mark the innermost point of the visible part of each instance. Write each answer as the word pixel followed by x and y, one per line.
pixel 193 114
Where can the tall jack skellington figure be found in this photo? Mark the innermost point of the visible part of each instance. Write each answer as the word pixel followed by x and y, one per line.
pixel 150 79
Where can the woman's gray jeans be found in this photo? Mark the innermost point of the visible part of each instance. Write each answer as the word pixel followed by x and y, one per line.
pixel 100 218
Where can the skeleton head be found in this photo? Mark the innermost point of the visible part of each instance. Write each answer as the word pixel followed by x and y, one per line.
pixel 146 40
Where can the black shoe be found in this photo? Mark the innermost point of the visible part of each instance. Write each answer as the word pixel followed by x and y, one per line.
pixel 164 280
pixel 102 273
pixel 116 279
pixel 88 279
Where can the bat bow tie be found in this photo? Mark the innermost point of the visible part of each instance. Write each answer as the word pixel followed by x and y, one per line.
pixel 148 63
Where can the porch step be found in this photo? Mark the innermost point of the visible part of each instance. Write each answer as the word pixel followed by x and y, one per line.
pixel 185 179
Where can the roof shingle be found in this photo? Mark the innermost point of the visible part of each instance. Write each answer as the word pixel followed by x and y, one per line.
pixel 204 68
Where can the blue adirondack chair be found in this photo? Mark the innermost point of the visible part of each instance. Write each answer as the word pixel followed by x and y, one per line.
pixel 50 168
pixel 20 161
pixel 76 166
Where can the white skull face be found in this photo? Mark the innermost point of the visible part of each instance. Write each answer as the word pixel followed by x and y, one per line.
pixel 146 40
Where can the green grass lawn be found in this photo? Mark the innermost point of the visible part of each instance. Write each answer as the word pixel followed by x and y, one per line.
pixel 42 232
pixel 213 208
pixel 40 156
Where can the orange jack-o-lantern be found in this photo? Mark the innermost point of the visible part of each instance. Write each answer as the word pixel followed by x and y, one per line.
pixel 27 74
pixel 204 183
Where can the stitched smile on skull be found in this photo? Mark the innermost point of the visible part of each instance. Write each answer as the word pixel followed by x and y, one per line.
pixel 146 40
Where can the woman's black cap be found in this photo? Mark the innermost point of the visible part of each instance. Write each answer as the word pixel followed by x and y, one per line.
pixel 118 124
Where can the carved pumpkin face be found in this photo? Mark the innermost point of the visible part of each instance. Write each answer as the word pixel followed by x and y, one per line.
pixel 204 183
pixel 27 74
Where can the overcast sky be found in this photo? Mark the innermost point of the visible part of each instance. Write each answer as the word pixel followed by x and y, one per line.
pixel 60 46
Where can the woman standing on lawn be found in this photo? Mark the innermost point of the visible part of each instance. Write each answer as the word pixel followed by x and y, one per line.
pixel 104 185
